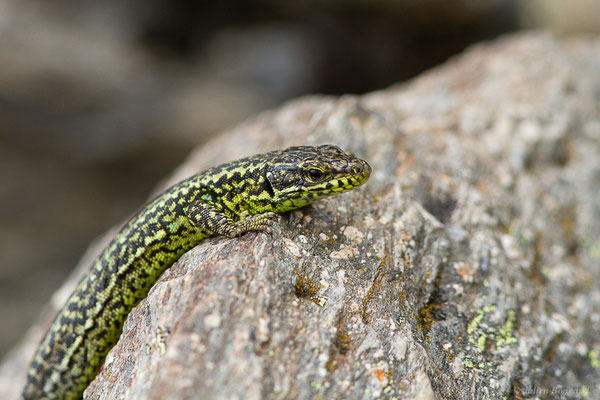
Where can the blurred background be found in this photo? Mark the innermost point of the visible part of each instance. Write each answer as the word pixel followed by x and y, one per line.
pixel 99 101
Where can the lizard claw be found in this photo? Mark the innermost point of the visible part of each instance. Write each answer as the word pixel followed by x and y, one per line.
pixel 255 222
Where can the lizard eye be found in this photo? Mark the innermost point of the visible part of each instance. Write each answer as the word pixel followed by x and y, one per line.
pixel 315 174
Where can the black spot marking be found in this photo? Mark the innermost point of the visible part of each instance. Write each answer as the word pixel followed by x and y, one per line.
pixel 269 188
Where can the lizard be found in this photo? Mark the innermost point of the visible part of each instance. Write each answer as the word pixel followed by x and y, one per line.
pixel 227 200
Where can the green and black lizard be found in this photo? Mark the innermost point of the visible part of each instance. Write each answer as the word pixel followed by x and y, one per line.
pixel 227 200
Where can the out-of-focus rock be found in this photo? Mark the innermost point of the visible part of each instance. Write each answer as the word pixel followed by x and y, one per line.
pixel 575 16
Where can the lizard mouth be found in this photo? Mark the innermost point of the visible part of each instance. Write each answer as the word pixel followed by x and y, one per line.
pixel 352 176
pixel 361 172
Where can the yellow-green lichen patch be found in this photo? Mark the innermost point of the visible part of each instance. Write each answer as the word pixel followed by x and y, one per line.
pixel 481 342
pixel 480 334
pixel 474 324
pixel 595 250
pixel 585 392
pixel 161 340
pixel 474 331
pixel 391 382
pixel 594 359
pixel 505 335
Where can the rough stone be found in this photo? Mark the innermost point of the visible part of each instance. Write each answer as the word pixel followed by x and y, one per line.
pixel 468 267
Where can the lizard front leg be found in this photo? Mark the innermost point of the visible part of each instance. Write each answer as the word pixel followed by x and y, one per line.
pixel 214 221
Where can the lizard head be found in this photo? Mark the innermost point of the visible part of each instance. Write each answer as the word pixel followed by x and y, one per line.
pixel 301 175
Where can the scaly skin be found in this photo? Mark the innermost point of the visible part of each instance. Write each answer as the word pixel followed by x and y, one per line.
pixel 228 200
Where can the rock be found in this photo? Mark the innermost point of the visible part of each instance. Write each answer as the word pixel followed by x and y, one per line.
pixel 466 268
